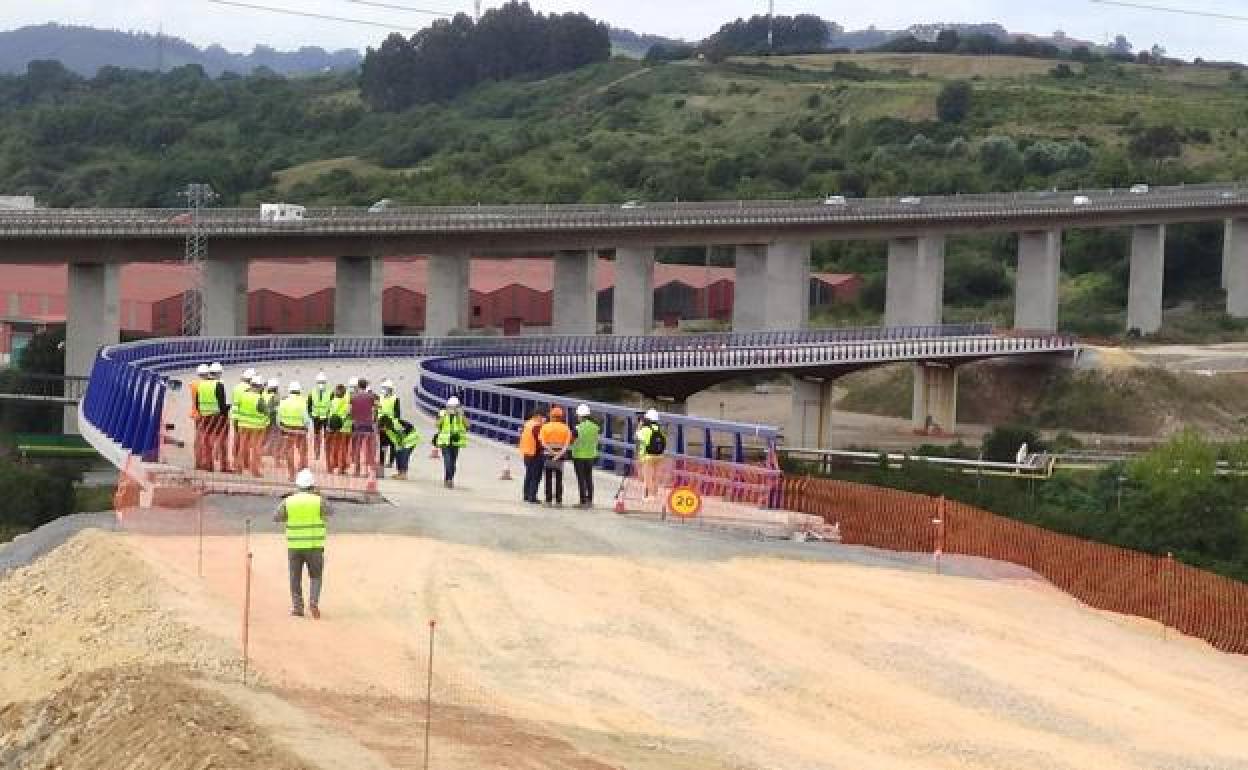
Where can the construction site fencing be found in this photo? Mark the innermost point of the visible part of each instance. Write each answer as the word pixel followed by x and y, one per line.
pixel 1158 587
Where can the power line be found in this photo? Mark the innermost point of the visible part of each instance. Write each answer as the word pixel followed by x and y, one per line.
pixel 310 15
pixel 1168 9
pixel 407 8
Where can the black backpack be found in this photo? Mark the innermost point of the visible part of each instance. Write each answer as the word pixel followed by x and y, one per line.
pixel 658 442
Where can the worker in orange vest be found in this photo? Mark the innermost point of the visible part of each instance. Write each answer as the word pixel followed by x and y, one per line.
pixel 531 454
pixel 555 438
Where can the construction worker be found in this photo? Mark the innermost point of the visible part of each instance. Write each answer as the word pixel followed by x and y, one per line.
pixel 651 444
pixel 531 454
pixel 201 436
pixel 293 421
pixel 585 437
pixel 404 438
pixel 451 436
pixel 251 414
pixel 556 438
pixel 364 428
pixel 387 406
pixel 273 438
pixel 319 399
pixel 304 514
pixel 338 431
pixel 241 387
pixel 214 416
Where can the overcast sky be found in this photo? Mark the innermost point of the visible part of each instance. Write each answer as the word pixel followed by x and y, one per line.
pixel 203 22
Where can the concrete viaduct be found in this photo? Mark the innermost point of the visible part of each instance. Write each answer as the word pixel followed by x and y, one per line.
pixel 772 240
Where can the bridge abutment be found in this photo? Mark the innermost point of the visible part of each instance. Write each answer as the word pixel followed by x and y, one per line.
pixel 357 297
pixel 632 310
pixel 1235 267
pixel 448 294
pixel 1148 263
pixel 1037 281
pixel 92 320
pixel 574 302
pixel 935 405
pixel 224 311
pixel 772 288
pixel 915 291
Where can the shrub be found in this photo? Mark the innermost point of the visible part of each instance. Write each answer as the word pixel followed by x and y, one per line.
pixel 954 101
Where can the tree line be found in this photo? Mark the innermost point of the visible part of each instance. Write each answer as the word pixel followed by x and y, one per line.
pixel 453 55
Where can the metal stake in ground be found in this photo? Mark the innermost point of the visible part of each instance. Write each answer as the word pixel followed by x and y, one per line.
pixel 246 595
pixel 429 692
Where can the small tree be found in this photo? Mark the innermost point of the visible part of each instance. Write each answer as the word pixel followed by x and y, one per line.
pixel 954 101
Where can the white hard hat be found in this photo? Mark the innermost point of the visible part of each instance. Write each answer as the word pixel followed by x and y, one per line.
pixel 353 382
pixel 387 384
pixel 322 377
pixel 216 367
pixel 305 479
pixel 294 387
pixel 274 382
pixel 249 375
pixel 452 401
pixel 652 415
pixel 582 410
pixel 257 381
pixel 201 370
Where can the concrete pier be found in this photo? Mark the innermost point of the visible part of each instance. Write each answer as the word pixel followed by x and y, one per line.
pixel 1235 267
pixel 915 292
pixel 632 311
pixel 93 320
pixel 574 302
pixel 357 297
pixel 224 311
pixel 810 420
pixel 1148 263
pixel 1037 282
pixel 935 406
pixel 448 298
pixel 772 286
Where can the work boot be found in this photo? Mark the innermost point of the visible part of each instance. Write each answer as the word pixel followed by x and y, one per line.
pixel 297 611
pixel 315 611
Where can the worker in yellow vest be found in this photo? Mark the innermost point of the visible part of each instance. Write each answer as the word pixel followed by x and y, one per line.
pixel 293 421
pixel 251 414
pixel 320 399
pixel 404 438
pixel 304 514
pixel 388 406
pixel 241 387
pixel 214 417
pixel 201 436
pixel 338 431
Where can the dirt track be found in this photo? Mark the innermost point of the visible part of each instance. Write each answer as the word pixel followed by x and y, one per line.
pixel 586 642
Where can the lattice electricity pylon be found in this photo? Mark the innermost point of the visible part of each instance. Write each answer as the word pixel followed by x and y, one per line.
pixel 197 196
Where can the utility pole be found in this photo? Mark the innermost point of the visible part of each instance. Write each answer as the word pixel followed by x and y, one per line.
pixel 771 23
pixel 197 197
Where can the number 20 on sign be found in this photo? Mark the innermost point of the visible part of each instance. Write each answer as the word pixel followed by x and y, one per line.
pixel 684 501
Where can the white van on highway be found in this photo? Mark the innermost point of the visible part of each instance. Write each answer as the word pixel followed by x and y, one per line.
pixel 281 212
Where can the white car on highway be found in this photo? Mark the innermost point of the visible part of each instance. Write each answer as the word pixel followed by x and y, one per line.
pixel 1080 200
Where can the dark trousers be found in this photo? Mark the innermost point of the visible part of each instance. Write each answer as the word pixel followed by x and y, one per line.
pixel 554 483
pixel 533 476
pixel 384 442
pixel 315 561
pixel 402 457
pixel 450 456
pixel 585 479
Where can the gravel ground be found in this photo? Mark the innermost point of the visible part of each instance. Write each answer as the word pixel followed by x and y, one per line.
pixel 26 548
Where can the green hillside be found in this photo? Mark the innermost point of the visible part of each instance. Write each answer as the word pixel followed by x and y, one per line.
pixel 801 126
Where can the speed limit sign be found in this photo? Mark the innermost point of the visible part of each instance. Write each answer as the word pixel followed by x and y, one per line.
pixel 684 502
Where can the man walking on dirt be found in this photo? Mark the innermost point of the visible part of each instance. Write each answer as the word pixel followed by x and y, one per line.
pixel 304 514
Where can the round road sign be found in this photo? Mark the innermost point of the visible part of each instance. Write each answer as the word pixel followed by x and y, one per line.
pixel 684 501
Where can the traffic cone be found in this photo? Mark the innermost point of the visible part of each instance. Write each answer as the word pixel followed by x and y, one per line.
pixel 506 474
pixel 619 504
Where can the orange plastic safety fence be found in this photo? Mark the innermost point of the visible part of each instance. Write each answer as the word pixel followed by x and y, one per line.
pixel 1194 601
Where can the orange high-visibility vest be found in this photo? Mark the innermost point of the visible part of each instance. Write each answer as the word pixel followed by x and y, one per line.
pixel 194 388
pixel 556 435
pixel 528 441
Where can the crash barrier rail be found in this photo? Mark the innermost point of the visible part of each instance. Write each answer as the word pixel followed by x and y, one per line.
pixel 1106 577
pixel 825 461
pixel 128 381
pixel 224 222
pixel 26 386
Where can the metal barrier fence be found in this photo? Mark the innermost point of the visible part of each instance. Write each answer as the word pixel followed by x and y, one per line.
pixel 1194 601
pixel 26 386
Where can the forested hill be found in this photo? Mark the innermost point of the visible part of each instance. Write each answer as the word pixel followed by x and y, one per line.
pixel 85 50
pixel 871 124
